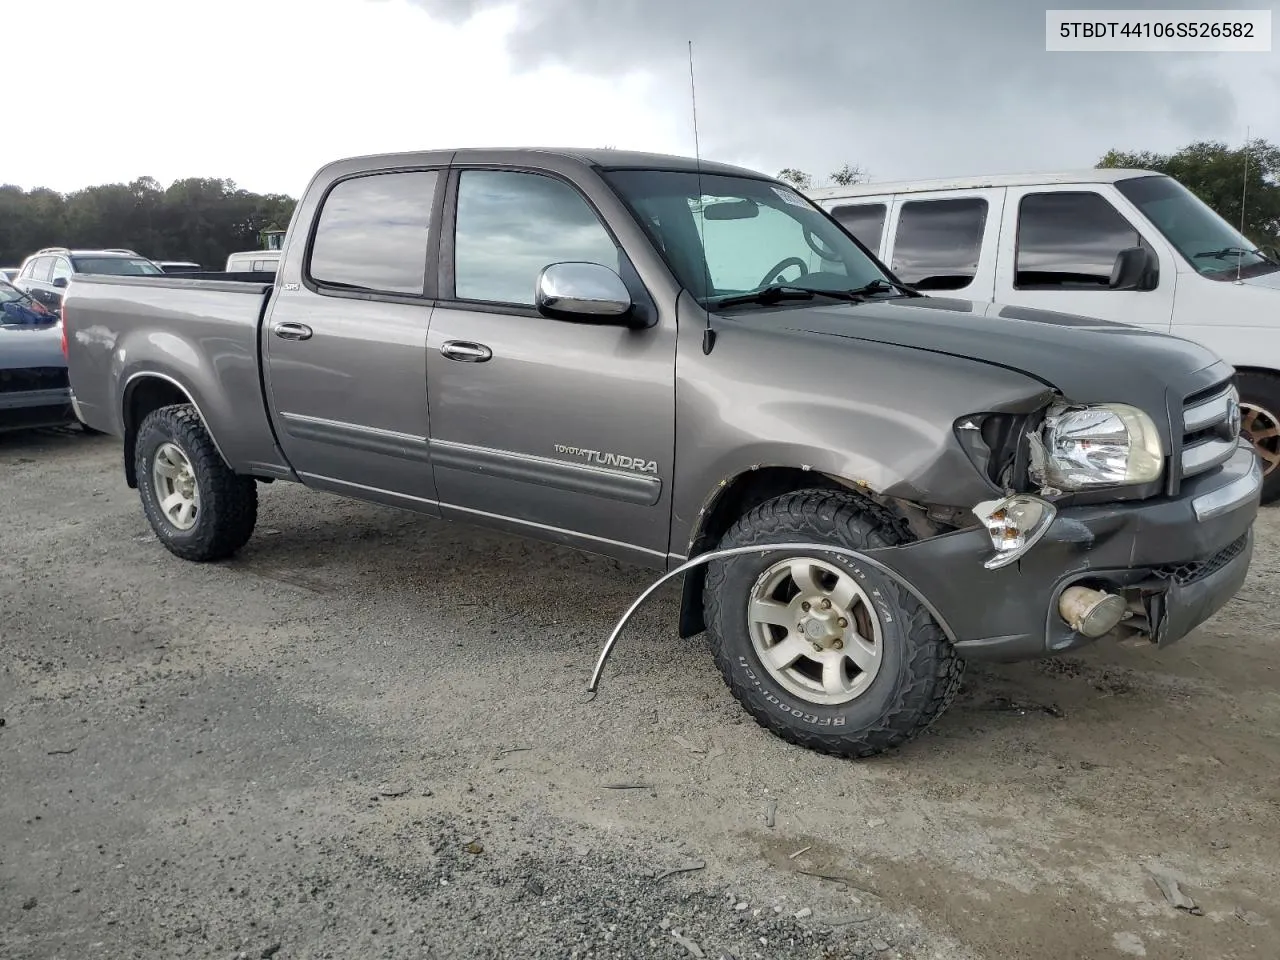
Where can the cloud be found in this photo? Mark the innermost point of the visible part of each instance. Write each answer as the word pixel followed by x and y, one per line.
pixel 904 88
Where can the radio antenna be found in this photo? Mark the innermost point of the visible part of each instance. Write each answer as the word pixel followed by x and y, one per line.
pixel 1244 193
pixel 708 335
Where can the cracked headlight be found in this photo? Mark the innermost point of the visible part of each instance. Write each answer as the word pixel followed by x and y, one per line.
pixel 1100 445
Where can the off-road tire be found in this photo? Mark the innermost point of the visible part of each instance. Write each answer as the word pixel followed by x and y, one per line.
pixel 1263 390
pixel 228 502
pixel 921 671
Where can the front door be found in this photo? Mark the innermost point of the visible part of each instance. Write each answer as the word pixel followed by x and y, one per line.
pixel 561 430
pixel 1057 249
pixel 345 343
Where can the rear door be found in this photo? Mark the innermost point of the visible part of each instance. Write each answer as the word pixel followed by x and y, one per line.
pixel 345 342
pixel 562 430
pixel 1058 247
pixel 944 242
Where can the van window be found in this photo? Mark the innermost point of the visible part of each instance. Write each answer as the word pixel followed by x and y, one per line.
pixel 1069 240
pixel 938 242
pixel 371 233
pixel 864 220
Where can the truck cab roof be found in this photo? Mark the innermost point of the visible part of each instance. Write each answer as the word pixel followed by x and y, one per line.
pixel 599 157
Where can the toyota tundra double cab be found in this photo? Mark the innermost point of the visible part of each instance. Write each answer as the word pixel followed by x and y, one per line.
pixel 660 360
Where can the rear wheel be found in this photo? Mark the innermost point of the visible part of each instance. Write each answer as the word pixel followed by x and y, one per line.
pixel 199 509
pixel 822 650
pixel 1260 425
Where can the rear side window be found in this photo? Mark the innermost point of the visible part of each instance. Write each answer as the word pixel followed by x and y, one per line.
pixel 864 220
pixel 42 269
pixel 938 242
pixel 372 233
pixel 1069 240
pixel 511 225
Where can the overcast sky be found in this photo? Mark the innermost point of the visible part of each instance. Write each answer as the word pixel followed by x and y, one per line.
pixel 264 91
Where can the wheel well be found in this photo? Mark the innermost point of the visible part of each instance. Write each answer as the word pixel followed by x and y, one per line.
pixel 144 397
pixel 740 495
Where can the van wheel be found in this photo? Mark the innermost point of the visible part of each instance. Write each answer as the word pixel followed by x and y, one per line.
pixel 823 651
pixel 199 509
pixel 1260 425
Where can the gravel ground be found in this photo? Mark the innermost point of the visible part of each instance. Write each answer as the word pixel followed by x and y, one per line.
pixel 367 736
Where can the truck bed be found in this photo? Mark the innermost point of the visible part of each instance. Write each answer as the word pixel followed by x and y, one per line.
pixel 198 334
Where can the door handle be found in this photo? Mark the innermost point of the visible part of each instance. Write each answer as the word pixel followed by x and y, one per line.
pixel 466 351
pixel 291 331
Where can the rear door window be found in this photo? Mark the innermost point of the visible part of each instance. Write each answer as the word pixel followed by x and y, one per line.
pixel 371 234
pixel 864 220
pixel 938 242
pixel 42 269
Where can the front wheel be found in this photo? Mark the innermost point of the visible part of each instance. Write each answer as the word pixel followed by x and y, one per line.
pixel 820 649
pixel 1260 425
pixel 199 509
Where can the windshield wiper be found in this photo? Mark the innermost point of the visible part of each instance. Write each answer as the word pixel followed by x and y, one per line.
pixel 766 295
pixel 1232 252
pixel 884 285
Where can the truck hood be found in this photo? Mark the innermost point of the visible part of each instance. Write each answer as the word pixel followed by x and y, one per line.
pixel 1087 360
pixel 31 345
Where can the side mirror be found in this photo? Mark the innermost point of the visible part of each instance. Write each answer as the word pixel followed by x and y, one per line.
pixel 60 282
pixel 1136 268
pixel 583 293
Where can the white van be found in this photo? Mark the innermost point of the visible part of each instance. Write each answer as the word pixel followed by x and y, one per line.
pixel 254 261
pixel 1130 246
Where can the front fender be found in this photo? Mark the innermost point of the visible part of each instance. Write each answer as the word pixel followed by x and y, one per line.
pixel 876 415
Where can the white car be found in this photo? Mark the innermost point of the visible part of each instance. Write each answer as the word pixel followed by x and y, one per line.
pixel 1130 246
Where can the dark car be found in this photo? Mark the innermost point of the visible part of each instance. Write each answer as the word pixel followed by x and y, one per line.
pixel 45 274
pixel 33 370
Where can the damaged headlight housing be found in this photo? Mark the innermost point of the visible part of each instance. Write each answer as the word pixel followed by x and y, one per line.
pixel 1099 445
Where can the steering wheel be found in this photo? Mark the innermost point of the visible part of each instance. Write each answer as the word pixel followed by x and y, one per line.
pixel 783 265
pixel 817 246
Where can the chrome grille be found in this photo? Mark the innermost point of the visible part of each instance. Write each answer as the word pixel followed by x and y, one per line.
pixel 1210 428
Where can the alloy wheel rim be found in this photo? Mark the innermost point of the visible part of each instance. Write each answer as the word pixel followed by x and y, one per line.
pixel 175 484
pixel 815 630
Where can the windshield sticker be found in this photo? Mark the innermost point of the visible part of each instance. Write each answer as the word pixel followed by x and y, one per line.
pixel 790 197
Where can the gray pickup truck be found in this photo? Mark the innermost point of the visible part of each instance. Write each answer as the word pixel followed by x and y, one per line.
pixel 656 359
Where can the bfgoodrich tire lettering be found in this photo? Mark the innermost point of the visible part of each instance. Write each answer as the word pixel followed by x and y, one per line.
pixel 918 674
pixel 228 502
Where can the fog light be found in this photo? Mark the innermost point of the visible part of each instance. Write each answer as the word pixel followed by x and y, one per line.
pixel 1091 612
pixel 1014 525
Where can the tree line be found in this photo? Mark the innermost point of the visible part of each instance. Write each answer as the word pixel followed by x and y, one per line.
pixel 1231 180
pixel 196 219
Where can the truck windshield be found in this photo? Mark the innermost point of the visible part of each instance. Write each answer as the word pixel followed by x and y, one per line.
pixel 726 236
pixel 117 266
pixel 1206 241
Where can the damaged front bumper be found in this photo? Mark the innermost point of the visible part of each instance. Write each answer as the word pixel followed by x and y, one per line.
pixel 1175 562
